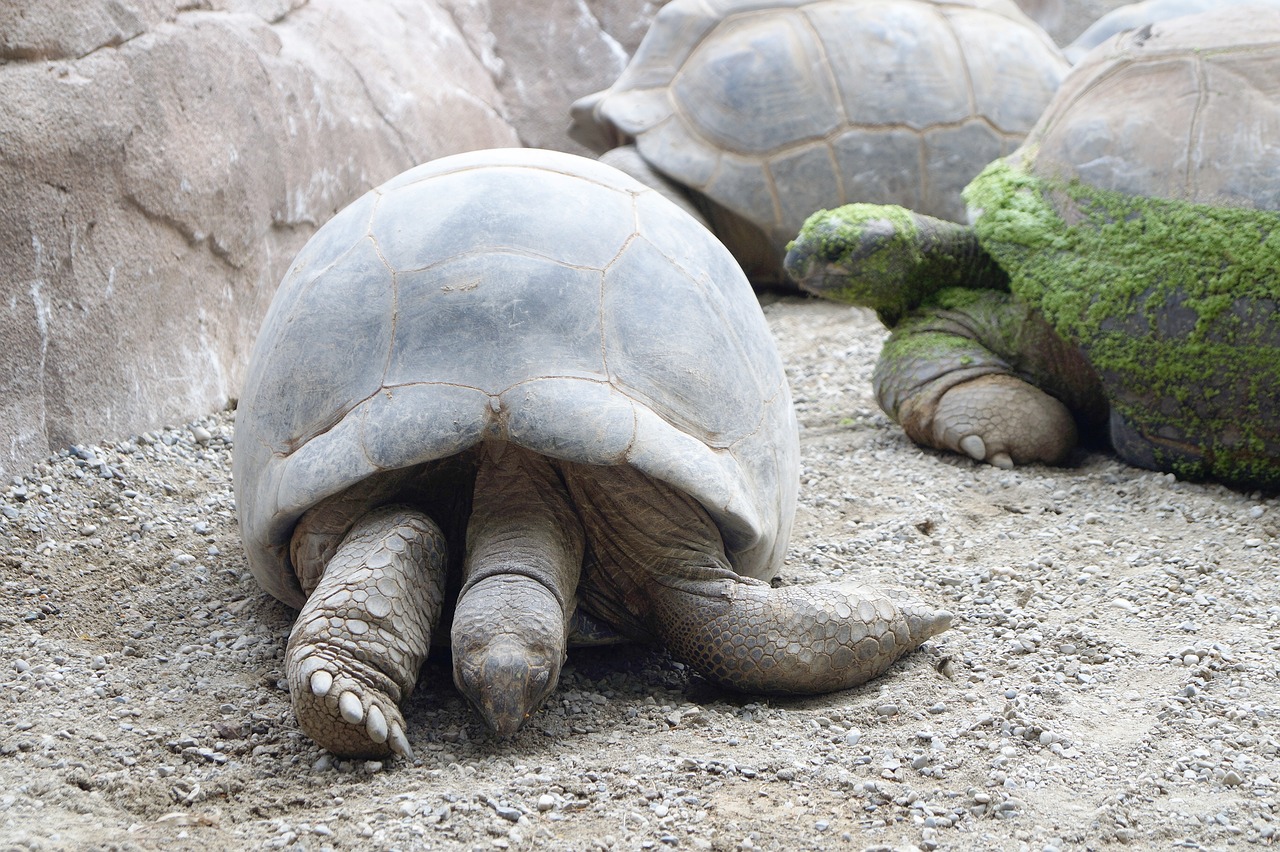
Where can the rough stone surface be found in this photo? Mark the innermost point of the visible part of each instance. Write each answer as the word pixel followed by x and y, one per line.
pixel 161 161
pixel 558 54
pixel 1110 682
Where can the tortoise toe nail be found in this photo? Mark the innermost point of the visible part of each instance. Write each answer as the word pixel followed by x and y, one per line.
pixel 974 446
pixel 1002 461
pixel 399 742
pixel 376 725
pixel 321 682
pixel 350 707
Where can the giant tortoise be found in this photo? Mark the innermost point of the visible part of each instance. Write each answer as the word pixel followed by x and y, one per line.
pixel 755 113
pixel 523 380
pixel 1122 271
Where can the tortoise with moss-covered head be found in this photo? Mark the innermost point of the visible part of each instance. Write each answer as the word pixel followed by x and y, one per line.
pixel 754 113
pixel 521 386
pixel 1121 277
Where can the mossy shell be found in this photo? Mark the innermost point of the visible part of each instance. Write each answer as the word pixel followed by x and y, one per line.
pixel 521 295
pixel 776 109
pixel 1140 217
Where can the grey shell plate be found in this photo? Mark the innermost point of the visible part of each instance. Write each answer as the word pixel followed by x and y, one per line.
pixel 520 295
pixel 1213 71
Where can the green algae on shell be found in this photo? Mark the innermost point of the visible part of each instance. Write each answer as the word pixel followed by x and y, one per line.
pixel 1174 303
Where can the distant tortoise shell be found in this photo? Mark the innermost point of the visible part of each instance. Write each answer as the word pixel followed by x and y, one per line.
pixel 776 109
pixel 1211 136
pixel 1159 168
pixel 1137 15
pixel 522 295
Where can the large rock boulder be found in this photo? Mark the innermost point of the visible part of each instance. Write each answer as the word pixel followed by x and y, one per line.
pixel 161 161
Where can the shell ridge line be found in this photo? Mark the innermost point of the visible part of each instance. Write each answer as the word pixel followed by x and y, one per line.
pixel 363 414
pixel 964 61
pixel 1117 65
pixel 601 318
pixel 734 337
pixel 522 167
pixel 844 122
pixel 292 445
pixel 506 250
pixel 711 299
pixel 368 234
pixel 604 274
pixel 1191 176
pixel 395 288
pixel 754 430
pixel 831 138
pixel 362 429
pixel 825 62
pixel 771 184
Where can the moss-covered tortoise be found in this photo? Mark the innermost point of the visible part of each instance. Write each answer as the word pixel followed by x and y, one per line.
pixel 1123 268
pixel 523 379
pixel 755 113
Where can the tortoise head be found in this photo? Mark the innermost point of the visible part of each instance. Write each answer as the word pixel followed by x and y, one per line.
pixel 882 257
pixel 507 658
pixel 862 254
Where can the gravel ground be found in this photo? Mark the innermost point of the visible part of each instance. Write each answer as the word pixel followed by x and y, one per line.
pixel 1111 676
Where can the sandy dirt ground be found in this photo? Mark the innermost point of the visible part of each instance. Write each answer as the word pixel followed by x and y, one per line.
pixel 1111 677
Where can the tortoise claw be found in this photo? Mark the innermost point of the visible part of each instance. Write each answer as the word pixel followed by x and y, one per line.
pixel 350 708
pixel 399 743
pixel 321 682
pixel 974 447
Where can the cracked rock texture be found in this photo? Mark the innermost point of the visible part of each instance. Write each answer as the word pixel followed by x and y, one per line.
pixel 161 161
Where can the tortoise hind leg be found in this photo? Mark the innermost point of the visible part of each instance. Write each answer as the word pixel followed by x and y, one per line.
pixel 660 564
pixel 792 639
pixel 358 642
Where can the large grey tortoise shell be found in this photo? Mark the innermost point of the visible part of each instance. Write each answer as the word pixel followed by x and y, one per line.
pixel 1211 70
pixel 521 295
pixel 776 109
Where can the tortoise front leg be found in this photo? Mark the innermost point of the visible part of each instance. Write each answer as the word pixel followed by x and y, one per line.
pixel 982 375
pixel 364 632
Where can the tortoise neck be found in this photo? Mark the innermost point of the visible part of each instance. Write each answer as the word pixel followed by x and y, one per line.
pixel 953 257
